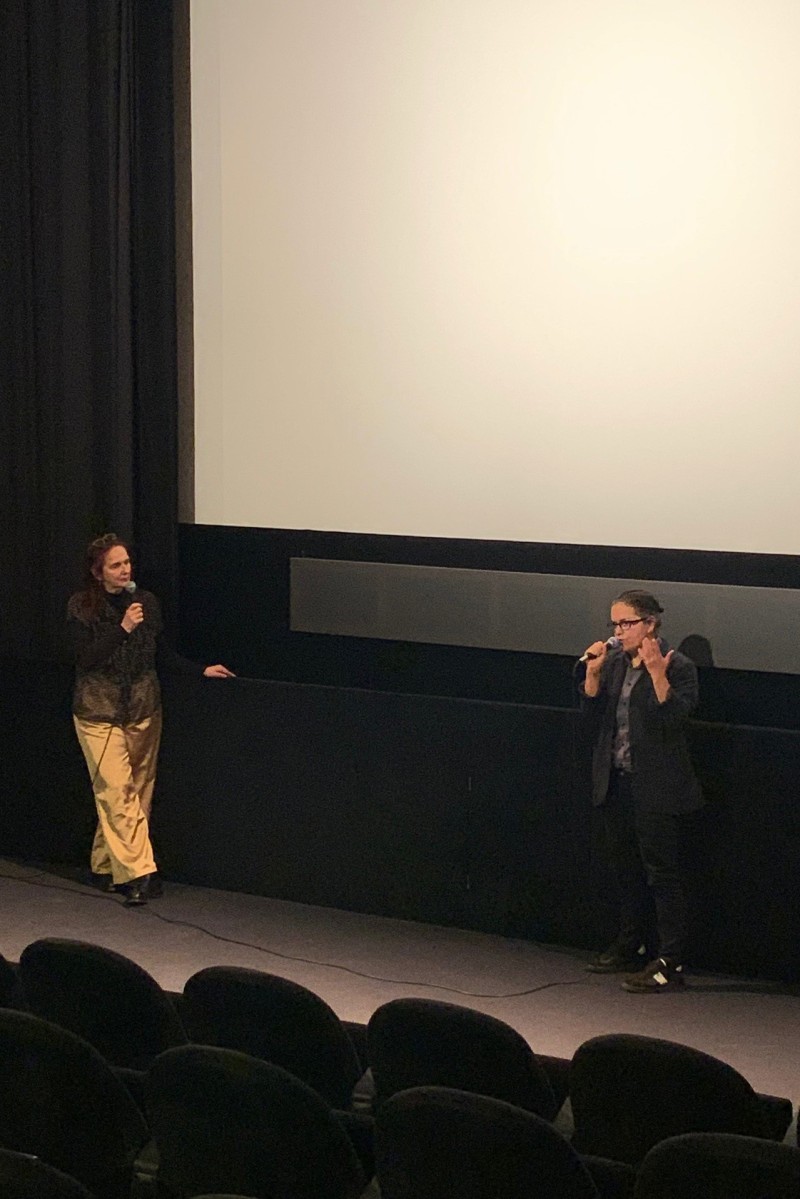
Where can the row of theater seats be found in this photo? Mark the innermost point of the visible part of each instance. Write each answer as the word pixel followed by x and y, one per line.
pixel 249 1084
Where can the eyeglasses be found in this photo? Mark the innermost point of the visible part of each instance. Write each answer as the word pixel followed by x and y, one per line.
pixel 626 624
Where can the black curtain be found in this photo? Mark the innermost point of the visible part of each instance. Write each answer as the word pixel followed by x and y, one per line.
pixel 88 407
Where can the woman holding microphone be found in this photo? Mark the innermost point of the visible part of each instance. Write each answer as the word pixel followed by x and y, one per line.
pixel 638 695
pixel 115 630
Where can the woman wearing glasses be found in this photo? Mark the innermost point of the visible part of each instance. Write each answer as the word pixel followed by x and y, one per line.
pixel 638 694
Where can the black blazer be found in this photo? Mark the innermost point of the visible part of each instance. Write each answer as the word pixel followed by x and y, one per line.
pixel 663 779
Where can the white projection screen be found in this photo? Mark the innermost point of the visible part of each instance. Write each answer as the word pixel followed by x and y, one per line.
pixel 509 269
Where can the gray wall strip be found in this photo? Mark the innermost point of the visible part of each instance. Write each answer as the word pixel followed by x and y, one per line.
pixel 748 628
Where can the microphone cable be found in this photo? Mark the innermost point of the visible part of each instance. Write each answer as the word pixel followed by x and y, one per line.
pixel 117 722
pixel 148 910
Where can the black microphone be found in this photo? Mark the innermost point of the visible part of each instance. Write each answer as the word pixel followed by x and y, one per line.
pixel 612 643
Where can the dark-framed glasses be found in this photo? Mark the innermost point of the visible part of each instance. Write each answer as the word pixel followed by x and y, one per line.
pixel 625 624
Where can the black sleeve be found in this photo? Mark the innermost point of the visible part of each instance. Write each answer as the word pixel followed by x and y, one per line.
pixel 684 692
pixel 94 644
pixel 170 661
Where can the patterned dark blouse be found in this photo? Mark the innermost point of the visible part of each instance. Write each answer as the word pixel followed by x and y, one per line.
pixel 116 673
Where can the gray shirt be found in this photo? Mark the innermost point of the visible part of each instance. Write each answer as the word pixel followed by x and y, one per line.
pixel 622 736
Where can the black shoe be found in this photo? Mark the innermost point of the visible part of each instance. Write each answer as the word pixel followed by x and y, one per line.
pixel 662 974
pixel 619 958
pixel 155 887
pixel 135 892
pixel 103 882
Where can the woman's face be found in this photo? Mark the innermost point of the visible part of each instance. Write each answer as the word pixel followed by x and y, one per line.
pixel 115 571
pixel 638 627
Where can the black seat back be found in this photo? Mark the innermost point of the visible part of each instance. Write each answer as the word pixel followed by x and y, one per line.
pixel 425 1042
pixel 101 996
pixel 277 1020
pixel 61 1102
pixel 437 1143
pixel 25 1177
pixel 628 1092
pixel 226 1122
pixel 709 1165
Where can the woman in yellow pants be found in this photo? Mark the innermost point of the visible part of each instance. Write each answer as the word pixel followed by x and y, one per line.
pixel 115 630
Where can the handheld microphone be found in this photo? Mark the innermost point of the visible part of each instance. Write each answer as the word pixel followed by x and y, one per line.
pixel 129 590
pixel 612 643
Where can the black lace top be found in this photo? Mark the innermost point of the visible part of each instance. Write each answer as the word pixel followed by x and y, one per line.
pixel 116 673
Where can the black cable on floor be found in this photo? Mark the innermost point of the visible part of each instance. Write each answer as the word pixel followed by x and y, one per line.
pixel 288 957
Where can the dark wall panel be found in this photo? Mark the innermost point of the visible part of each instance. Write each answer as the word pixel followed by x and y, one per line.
pixel 430 809
pixel 433 809
pixel 464 813
pixel 300 807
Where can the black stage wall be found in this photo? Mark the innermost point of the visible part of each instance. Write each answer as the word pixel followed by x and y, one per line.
pixel 439 809
pixel 433 783
pixel 449 784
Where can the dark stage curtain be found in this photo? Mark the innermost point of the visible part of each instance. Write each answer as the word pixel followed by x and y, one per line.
pixel 88 409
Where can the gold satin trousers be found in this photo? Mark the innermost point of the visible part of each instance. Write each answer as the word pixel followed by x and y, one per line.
pixel 122 766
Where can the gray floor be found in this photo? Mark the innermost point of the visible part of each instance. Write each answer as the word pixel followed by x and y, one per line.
pixel 358 962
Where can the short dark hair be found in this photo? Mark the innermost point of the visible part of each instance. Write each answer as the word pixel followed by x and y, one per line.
pixel 643 603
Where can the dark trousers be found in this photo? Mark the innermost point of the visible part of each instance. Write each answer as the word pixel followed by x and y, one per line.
pixel 645 851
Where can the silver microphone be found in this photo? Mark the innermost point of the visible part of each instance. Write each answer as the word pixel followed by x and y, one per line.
pixel 130 587
pixel 612 643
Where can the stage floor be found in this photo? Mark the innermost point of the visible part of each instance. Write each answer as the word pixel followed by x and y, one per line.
pixel 358 962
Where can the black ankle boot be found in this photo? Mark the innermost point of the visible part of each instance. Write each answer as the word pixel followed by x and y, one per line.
pixel 135 892
pixel 103 882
